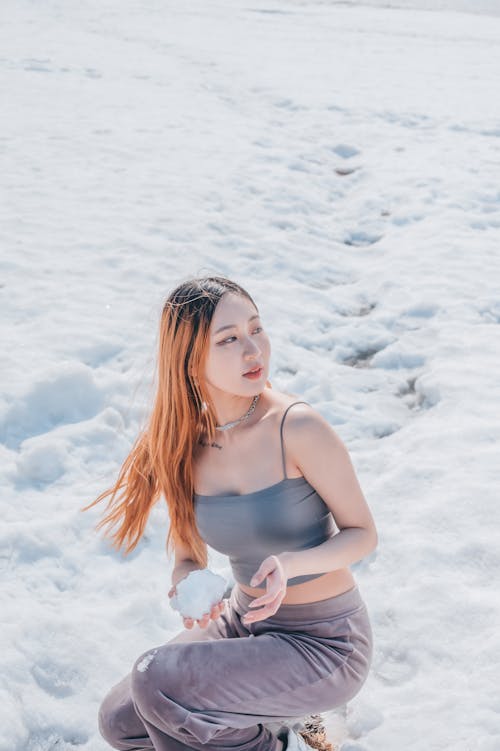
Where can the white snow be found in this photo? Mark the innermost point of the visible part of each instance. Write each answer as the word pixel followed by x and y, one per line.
pixel 143 664
pixel 342 162
pixel 198 592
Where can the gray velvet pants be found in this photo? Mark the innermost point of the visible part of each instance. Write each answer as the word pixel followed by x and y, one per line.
pixel 231 686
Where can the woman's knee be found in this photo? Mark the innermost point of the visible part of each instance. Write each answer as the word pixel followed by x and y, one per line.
pixel 116 716
pixel 143 678
pixel 159 675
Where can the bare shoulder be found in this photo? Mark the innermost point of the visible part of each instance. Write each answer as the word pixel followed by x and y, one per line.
pixel 306 431
pixel 301 421
pixel 304 423
pixel 322 457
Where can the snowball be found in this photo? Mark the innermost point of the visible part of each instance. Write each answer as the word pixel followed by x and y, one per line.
pixel 198 592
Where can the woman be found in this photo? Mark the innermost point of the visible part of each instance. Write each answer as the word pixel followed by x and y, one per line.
pixel 272 495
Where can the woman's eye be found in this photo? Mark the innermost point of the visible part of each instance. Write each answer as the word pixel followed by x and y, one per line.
pixel 224 341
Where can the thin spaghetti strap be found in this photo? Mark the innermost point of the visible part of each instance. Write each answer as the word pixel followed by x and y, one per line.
pixel 281 434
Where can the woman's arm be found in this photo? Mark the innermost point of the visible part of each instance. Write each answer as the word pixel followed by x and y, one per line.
pixel 183 563
pixel 182 569
pixel 325 462
pixel 346 547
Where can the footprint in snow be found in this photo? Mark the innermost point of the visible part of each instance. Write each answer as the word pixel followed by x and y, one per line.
pixel 344 171
pixel 57 679
pixel 363 310
pixel 417 394
pixel 359 238
pixel 345 151
pixel 363 358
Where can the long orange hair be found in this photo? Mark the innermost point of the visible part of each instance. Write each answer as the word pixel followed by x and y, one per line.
pixel 160 461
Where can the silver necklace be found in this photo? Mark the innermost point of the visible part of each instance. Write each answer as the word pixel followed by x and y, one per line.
pixel 228 425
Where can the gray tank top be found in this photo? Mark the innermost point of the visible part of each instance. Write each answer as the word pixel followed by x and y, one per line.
pixel 289 515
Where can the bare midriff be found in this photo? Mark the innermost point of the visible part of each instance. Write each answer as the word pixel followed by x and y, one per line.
pixel 328 585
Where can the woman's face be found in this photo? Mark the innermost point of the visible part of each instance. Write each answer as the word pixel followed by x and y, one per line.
pixel 242 346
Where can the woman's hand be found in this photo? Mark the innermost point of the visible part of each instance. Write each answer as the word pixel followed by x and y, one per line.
pixel 273 570
pixel 215 612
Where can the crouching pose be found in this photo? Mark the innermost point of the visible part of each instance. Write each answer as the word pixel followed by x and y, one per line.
pixel 261 477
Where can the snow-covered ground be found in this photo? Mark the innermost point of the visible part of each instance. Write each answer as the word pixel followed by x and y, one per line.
pixel 484 7
pixel 340 161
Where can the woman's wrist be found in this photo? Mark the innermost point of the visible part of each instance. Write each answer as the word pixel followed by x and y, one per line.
pixel 287 562
pixel 183 569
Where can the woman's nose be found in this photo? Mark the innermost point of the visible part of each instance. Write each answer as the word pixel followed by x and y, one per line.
pixel 251 347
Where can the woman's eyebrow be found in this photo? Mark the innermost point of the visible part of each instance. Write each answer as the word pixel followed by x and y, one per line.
pixel 233 325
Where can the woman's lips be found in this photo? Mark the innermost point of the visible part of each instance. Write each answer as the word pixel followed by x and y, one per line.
pixel 254 376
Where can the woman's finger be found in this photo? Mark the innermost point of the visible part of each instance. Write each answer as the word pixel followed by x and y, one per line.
pixel 266 599
pixel 265 612
pixel 215 612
